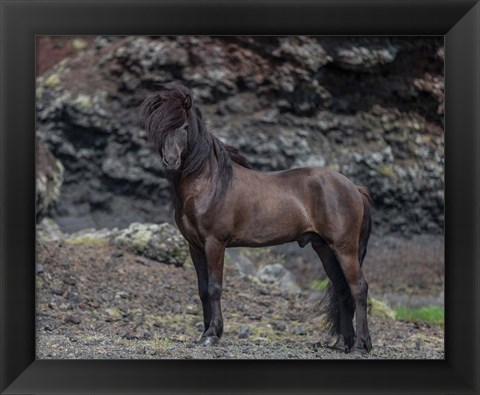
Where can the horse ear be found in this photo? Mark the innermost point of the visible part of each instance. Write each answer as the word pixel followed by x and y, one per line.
pixel 187 102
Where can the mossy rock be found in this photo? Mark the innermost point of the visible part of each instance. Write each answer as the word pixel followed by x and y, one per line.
pixel 377 308
pixel 52 81
pixel 387 171
pixel 48 230
pixel 87 239
pixel 84 101
pixel 113 314
pixel 162 243
pixel 90 237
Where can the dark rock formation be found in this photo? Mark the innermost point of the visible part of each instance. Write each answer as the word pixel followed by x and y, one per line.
pixel 371 108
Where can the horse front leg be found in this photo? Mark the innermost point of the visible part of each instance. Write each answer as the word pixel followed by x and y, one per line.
pixel 214 253
pixel 200 263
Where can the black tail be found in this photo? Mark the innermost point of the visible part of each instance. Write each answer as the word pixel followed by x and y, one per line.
pixel 330 303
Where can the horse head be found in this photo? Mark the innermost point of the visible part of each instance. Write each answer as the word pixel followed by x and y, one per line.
pixel 166 118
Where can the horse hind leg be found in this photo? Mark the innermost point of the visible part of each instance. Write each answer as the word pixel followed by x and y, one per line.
pixel 338 304
pixel 358 287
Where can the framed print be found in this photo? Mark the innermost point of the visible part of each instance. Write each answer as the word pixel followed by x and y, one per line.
pixel 251 72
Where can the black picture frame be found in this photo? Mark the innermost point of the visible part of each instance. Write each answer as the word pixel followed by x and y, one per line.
pixel 458 21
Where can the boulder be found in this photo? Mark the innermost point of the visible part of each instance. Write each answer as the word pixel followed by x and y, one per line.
pixel 162 243
pixel 159 242
pixel 279 276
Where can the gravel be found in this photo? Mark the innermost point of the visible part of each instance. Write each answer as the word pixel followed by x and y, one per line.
pixel 115 306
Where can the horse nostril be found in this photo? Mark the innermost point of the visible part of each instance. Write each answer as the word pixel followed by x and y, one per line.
pixel 171 163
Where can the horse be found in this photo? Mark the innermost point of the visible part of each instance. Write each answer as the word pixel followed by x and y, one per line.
pixel 220 202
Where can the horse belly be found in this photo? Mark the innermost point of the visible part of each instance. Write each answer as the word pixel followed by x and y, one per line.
pixel 265 226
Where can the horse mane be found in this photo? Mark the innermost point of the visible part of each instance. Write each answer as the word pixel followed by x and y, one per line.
pixel 236 156
pixel 166 111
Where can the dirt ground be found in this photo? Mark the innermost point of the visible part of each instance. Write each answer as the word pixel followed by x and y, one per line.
pixel 98 302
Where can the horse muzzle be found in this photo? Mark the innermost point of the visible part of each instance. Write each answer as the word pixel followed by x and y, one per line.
pixel 172 164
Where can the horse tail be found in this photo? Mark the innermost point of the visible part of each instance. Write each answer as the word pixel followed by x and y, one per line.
pixel 330 302
pixel 366 224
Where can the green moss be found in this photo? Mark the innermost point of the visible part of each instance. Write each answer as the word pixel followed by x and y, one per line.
pixel 52 81
pixel 434 315
pixel 136 241
pixel 376 308
pixel 113 314
pixel 387 171
pixel 320 285
pixel 38 282
pixel 165 320
pixel 160 343
pixel 91 337
pixel 333 166
pixel 84 101
pixel 188 261
pixel 86 239
pixel 79 44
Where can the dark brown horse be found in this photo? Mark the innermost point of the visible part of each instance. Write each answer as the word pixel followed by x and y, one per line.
pixel 220 202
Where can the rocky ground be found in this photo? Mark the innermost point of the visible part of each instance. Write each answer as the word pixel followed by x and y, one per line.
pixel 97 298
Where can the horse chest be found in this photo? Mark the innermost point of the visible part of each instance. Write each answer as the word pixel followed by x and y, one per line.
pixel 185 226
pixel 189 229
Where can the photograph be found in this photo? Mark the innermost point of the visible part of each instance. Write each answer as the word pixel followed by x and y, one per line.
pixel 239 197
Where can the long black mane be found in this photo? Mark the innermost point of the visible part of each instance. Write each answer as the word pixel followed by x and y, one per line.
pixel 167 111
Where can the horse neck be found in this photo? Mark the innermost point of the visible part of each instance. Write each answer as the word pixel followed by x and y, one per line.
pixel 197 184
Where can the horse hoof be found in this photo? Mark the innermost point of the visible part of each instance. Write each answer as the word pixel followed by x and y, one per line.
pixel 208 341
pixel 363 345
pixel 340 345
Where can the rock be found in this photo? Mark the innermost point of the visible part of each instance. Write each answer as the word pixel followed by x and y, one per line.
pixel 300 331
pixel 70 280
pixel 380 309
pixel 244 265
pixel 305 50
pixel 243 332
pixel 159 242
pixel 48 230
pixel 73 320
pixel 113 314
pixel 162 243
pixel 49 178
pixel 364 58
pixel 277 275
pixel 279 326
pixel 57 291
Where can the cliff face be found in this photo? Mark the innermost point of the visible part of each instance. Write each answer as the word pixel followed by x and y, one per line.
pixel 371 108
